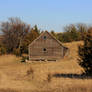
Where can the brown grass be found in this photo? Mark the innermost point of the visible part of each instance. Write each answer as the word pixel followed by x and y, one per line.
pixel 13 74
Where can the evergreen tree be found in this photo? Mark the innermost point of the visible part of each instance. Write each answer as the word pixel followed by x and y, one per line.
pixel 85 53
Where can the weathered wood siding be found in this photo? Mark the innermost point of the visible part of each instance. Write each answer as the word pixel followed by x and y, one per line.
pixel 46 47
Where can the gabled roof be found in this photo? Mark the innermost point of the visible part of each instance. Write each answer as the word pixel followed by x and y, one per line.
pixel 50 35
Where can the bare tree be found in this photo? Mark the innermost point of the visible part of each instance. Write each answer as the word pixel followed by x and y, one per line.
pixel 14 31
pixel 82 28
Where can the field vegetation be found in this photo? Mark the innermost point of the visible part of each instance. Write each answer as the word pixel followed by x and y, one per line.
pixel 59 76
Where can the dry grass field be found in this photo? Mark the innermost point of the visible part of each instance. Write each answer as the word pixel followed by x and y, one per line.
pixel 38 76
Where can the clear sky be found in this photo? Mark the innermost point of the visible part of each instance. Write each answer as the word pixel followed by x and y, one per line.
pixel 48 14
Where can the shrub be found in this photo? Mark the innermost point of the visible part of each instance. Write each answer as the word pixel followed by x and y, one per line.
pixel 49 77
pixel 17 52
pixel 2 50
pixel 24 58
pixel 30 71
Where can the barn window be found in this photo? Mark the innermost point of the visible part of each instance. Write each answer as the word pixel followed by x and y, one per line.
pixel 44 49
pixel 45 37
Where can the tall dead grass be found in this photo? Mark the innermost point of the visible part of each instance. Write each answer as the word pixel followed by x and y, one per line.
pixel 13 79
pixel 5 59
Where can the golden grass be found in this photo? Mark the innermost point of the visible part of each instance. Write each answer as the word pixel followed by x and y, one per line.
pixel 14 78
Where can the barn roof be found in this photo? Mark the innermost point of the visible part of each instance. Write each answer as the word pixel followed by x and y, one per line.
pixel 50 35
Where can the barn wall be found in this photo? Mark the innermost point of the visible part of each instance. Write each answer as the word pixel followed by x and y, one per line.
pixel 53 48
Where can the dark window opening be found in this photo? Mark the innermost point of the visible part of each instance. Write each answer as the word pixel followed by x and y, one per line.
pixel 44 37
pixel 44 49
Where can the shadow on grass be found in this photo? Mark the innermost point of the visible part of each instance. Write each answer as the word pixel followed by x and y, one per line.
pixel 75 76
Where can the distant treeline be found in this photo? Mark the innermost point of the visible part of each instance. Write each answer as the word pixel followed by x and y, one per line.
pixel 17 35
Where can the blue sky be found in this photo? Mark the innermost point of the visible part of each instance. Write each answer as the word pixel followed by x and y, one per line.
pixel 48 14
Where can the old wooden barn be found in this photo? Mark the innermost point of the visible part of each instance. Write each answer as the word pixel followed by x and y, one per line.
pixel 46 47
